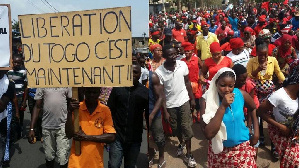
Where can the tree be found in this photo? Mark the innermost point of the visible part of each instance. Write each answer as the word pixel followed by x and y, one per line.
pixel 15 25
pixel 179 5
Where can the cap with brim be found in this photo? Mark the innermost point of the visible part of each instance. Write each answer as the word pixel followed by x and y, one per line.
pixel 187 46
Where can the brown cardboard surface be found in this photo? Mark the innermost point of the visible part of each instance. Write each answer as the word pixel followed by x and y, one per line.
pixel 75 49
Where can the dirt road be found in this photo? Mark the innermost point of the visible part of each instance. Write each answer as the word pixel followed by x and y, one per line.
pixel 199 150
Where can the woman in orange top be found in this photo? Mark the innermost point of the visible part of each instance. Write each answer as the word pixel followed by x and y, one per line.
pixel 157 60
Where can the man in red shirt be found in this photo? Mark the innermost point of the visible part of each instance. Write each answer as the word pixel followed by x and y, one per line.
pixel 222 31
pixel 178 33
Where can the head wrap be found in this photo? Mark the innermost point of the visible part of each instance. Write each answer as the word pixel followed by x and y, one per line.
pixel 249 29
pixel 155 33
pixel 285 38
pixel 293 77
pixel 211 108
pixel 154 46
pixel 204 23
pixel 236 43
pixel 282 50
pixel 215 47
pixel 187 46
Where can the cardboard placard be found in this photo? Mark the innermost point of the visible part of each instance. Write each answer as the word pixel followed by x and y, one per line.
pixel 5 38
pixel 75 49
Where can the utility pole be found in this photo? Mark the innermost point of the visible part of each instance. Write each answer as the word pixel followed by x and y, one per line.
pixel 144 34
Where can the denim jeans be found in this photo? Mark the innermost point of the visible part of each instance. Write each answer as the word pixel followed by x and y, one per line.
pixel 118 150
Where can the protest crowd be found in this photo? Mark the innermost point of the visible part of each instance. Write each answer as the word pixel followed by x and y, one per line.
pixel 230 70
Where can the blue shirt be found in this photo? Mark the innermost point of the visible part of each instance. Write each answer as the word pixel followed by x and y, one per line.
pixel 234 118
pixel 234 23
pixel 213 29
pixel 295 24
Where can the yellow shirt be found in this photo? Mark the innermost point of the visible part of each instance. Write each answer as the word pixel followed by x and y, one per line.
pixel 272 67
pixel 97 123
pixel 198 27
pixel 204 45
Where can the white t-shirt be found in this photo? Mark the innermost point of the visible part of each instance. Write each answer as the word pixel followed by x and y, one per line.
pixel 144 74
pixel 284 106
pixel 242 58
pixel 180 56
pixel 174 85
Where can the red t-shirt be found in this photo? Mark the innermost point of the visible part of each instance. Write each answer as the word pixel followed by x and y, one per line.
pixel 224 32
pixel 213 68
pixel 248 87
pixel 194 73
pixel 179 34
pixel 270 52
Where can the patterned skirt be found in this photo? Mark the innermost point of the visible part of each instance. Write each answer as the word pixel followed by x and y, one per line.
pixel 287 149
pixel 239 156
pixel 264 89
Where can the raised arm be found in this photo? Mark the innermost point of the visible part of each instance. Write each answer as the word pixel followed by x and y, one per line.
pixel 212 128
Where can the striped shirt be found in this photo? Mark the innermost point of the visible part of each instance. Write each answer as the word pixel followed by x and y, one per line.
pixel 20 78
pixel 242 58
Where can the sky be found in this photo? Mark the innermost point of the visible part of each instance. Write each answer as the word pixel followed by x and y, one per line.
pixel 139 9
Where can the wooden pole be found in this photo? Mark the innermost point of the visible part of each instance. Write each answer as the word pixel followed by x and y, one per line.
pixel 76 122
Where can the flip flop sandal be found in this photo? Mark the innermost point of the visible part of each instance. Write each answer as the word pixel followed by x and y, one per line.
pixel 162 165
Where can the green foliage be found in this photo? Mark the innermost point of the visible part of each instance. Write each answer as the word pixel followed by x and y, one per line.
pixel 15 25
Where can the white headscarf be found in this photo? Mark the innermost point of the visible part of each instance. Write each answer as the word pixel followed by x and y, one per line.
pixel 212 104
pixel 4 82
